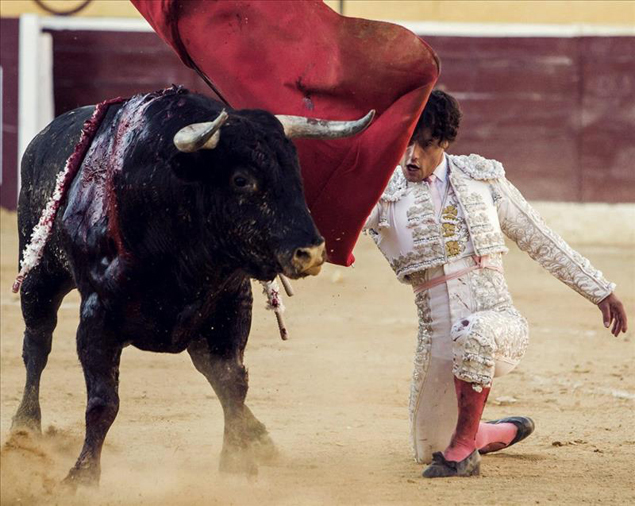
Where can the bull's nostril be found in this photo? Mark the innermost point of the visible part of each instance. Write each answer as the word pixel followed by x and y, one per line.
pixel 308 260
pixel 303 254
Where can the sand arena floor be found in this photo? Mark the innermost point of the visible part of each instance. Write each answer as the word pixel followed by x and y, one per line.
pixel 334 398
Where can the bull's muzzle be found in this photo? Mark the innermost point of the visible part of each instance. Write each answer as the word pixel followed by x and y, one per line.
pixel 308 261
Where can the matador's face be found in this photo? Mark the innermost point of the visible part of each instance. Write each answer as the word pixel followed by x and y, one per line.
pixel 420 160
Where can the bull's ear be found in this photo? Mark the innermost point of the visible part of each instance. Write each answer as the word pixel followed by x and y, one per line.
pixel 191 168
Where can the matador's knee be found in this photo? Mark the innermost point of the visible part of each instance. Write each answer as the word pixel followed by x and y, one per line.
pixel 474 347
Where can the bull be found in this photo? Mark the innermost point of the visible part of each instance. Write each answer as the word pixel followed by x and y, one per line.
pixel 176 205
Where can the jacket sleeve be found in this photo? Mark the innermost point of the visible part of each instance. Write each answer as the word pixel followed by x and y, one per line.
pixel 372 222
pixel 522 224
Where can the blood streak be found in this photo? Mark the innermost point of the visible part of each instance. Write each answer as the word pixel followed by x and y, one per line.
pixel 42 231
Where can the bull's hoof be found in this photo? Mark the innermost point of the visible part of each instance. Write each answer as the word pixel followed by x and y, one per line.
pixel 81 477
pixel 26 421
pixel 264 449
pixel 238 461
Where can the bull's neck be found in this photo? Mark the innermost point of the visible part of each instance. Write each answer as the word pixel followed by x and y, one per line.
pixel 163 229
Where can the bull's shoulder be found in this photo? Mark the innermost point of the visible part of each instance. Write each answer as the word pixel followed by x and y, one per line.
pixel 478 167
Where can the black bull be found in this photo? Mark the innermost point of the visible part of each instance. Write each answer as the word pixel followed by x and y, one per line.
pixel 161 243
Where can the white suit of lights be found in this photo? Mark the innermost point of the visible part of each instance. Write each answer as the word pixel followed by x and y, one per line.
pixel 468 325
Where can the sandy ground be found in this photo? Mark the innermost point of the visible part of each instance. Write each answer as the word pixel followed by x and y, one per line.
pixel 334 398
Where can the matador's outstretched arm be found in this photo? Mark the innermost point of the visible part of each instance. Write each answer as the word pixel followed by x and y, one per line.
pixel 522 223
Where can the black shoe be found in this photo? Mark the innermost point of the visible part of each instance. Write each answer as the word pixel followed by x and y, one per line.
pixel 524 427
pixel 442 468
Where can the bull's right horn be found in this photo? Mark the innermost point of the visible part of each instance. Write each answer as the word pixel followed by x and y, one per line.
pixel 311 128
pixel 200 135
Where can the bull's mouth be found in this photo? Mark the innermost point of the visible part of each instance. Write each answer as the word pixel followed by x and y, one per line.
pixel 292 273
pixel 287 269
pixel 305 261
pixel 313 271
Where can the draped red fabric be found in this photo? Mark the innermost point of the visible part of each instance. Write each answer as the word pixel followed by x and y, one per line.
pixel 302 58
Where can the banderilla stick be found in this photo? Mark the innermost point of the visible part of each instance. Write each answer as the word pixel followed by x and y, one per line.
pixel 284 334
pixel 286 284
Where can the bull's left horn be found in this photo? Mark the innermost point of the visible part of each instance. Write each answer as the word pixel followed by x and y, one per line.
pixel 311 128
pixel 200 135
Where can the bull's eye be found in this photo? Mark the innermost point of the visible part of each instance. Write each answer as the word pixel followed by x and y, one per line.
pixel 243 182
pixel 240 181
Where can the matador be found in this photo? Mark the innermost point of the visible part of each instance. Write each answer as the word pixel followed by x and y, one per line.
pixel 440 223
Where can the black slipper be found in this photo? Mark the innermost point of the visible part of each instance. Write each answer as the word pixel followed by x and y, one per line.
pixel 524 427
pixel 442 468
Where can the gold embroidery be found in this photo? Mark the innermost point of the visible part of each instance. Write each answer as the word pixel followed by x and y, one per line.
pixel 449 229
pixel 453 248
pixel 454 230
pixel 450 212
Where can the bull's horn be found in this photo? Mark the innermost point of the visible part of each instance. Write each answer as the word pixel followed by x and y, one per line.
pixel 311 128
pixel 200 135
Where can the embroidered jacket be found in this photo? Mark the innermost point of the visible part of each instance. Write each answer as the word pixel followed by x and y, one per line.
pixel 490 206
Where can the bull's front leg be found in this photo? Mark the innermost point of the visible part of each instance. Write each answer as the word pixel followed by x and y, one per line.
pixel 219 357
pixel 99 353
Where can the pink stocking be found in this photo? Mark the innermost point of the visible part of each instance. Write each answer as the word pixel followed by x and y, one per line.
pixel 494 437
pixel 471 404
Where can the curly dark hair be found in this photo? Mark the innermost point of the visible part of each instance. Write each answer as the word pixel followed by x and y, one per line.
pixel 439 121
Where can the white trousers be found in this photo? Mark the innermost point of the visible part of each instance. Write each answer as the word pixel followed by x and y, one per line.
pixel 469 329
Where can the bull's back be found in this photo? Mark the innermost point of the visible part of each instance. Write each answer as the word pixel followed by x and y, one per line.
pixel 43 159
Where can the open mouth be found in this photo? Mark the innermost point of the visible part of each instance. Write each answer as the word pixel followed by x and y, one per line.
pixel 412 167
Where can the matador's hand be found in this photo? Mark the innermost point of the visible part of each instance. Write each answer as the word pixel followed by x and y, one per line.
pixel 613 311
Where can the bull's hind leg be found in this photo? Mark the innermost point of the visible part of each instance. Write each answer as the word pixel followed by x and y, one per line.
pixel 99 353
pixel 41 295
pixel 219 357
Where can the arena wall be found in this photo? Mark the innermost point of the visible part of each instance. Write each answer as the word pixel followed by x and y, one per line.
pixel 506 11
pixel 9 62
pixel 554 102
pixel 558 112
pixel 599 12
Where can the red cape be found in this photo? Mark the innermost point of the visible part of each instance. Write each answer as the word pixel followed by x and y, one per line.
pixel 302 58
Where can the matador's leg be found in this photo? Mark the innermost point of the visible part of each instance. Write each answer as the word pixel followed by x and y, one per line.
pixel 480 341
pixel 433 408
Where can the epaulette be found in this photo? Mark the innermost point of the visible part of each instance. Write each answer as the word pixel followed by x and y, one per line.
pixel 477 167
pixel 396 186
